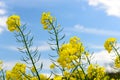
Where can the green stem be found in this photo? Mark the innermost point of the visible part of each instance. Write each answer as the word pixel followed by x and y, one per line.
pixel 56 36
pixel 116 51
pixel 3 74
pixel 28 51
pixel 82 70
pixel 87 58
pixel 74 70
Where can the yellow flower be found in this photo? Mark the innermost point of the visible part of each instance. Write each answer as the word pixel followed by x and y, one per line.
pixel 43 77
pixel 95 72
pixel 1 65
pixel 71 78
pixel 17 72
pixel 32 69
pixel 46 20
pixel 34 78
pixel 8 75
pixel 70 52
pixel 108 44
pixel 66 74
pixel 13 22
pixel 117 62
pixel 52 66
pixel 57 78
pixel 74 39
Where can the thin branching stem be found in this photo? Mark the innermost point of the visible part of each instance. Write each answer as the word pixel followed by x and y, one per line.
pixel 56 36
pixel 3 74
pixel 28 51
pixel 115 50
pixel 87 58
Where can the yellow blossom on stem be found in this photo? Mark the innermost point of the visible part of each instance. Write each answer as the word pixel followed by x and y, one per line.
pixel 57 78
pixel 117 62
pixel 43 77
pixel 1 65
pixel 52 66
pixel 46 20
pixel 17 72
pixel 13 22
pixel 34 78
pixel 70 52
pixel 108 44
pixel 32 69
pixel 66 74
pixel 95 72
pixel 8 75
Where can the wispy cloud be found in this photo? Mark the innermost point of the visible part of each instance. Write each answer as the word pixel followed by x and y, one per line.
pixel 100 47
pixel 3 16
pixel 10 64
pixel 78 28
pixel 111 7
pixel 41 47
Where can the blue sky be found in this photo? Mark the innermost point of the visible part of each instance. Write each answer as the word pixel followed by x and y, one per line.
pixel 92 20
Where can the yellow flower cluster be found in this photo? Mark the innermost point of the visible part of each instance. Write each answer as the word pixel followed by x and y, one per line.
pixel 33 69
pixel 13 22
pixel 52 66
pixel 108 44
pixel 17 72
pixel 1 65
pixel 77 74
pixel 46 20
pixel 42 77
pixel 70 52
pixel 95 72
pixel 117 62
pixel 57 78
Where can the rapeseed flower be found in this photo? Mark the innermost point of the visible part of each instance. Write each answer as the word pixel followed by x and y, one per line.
pixel 1 65
pixel 52 66
pixel 17 72
pixel 117 62
pixel 109 44
pixel 95 72
pixel 70 52
pixel 57 78
pixel 13 22
pixel 43 77
pixel 33 69
pixel 46 20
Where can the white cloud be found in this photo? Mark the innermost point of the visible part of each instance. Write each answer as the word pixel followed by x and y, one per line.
pixel 95 46
pixel 41 47
pixel 2 11
pixel 10 64
pixel 105 59
pixel 79 28
pixel 111 7
pixel 3 16
pixel 3 21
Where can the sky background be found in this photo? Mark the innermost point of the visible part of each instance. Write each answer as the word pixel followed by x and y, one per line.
pixel 92 20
